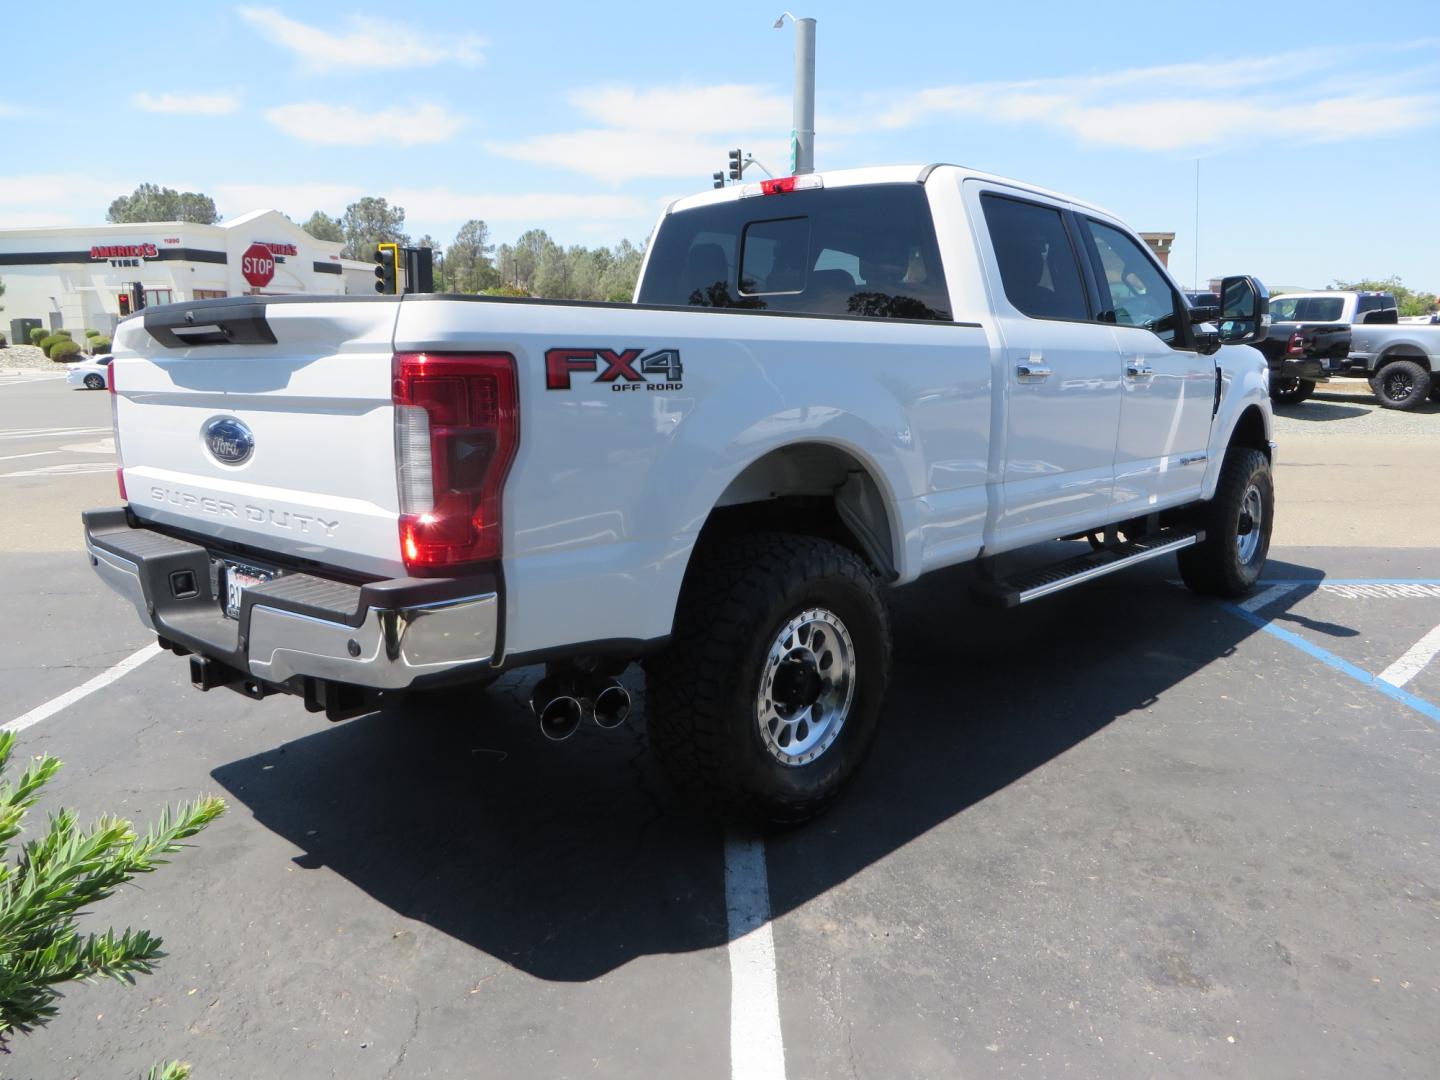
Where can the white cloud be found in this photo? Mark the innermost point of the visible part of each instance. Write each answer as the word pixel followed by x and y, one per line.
pixel 443 204
pixel 297 200
pixel 187 104
pixel 367 43
pixel 709 109
pixel 662 131
pixel 344 125
pixel 6 109
pixel 1190 105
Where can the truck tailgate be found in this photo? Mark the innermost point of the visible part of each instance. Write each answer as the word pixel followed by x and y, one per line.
pixel 266 424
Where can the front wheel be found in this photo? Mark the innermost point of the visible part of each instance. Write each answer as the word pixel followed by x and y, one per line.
pixel 1237 524
pixel 1291 391
pixel 1401 384
pixel 767 699
pixel 94 382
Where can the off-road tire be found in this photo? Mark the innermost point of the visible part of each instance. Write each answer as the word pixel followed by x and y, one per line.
pixel 1291 391
pixel 700 703
pixel 1215 566
pixel 1401 384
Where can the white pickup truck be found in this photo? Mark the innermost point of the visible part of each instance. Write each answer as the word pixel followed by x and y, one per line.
pixel 826 385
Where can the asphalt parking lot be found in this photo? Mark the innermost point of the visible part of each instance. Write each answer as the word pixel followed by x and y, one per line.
pixel 1124 832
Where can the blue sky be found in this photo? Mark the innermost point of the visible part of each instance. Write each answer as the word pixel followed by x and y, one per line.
pixel 1316 125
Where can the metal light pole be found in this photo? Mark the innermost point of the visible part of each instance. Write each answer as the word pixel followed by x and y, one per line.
pixel 802 134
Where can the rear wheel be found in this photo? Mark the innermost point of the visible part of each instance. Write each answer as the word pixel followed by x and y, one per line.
pixel 768 697
pixel 1237 524
pixel 94 382
pixel 1291 391
pixel 1401 384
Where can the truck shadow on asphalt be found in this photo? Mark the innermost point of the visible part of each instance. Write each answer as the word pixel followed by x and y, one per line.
pixel 568 861
pixel 1319 412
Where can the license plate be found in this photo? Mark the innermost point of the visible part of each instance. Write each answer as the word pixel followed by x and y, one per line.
pixel 238 578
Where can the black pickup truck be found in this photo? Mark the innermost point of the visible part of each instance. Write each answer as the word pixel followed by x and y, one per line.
pixel 1306 345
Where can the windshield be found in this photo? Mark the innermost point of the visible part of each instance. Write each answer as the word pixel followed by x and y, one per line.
pixel 1307 308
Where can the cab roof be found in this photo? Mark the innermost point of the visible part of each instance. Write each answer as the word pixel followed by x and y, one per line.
pixel 885 174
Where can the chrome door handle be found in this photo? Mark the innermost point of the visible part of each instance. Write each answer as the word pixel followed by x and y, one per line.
pixel 1138 369
pixel 1033 368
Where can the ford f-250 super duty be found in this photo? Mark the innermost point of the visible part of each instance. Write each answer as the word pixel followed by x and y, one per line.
pixel 827 384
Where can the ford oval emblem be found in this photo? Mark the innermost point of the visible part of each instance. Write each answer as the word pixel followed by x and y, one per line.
pixel 228 440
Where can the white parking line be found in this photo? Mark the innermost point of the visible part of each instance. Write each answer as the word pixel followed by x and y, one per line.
pixel 50 433
pixel 757 1051
pixel 79 468
pixel 1413 662
pixel 84 690
pixel 1265 597
pixel 33 453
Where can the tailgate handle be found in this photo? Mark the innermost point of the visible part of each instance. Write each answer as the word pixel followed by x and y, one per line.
pixel 210 322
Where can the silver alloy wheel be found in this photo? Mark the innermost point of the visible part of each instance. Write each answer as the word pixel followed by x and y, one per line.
pixel 806 688
pixel 1252 517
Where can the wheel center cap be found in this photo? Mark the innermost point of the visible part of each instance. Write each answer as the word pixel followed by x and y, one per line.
pixel 797 680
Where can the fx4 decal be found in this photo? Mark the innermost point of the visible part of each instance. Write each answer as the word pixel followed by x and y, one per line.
pixel 625 369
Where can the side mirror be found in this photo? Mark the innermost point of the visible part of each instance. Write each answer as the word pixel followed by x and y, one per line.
pixel 1244 311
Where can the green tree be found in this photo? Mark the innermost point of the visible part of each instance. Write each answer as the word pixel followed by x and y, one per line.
pixel 322 226
pixel 369 221
pixel 63 871
pixel 468 267
pixel 150 202
pixel 1409 301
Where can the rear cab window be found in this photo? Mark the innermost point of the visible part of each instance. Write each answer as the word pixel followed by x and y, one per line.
pixel 866 251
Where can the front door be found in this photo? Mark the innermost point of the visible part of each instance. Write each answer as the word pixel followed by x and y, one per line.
pixel 1168 396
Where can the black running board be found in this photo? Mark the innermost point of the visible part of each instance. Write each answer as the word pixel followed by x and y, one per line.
pixel 1033 584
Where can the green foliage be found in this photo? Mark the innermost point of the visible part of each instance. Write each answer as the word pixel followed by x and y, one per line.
pixel 38 334
pixel 468 267
pixel 538 266
pixel 1408 300
pixel 171 1070
pixel 4 341
pixel 324 227
pixel 370 221
pixel 64 351
pixel 49 340
pixel 63 333
pixel 149 202
pixel 99 344
pixel 63 871
pixel 92 333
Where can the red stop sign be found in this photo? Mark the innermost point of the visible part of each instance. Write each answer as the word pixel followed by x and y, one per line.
pixel 257 265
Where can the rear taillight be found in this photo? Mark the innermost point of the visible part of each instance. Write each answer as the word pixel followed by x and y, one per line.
pixel 115 430
pixel 1296 346
pixel 457 425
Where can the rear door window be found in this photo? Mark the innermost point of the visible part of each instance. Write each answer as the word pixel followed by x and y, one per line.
pixel 1036 260
pixel 867 251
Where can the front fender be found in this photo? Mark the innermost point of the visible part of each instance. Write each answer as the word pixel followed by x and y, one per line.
pixel 1243 386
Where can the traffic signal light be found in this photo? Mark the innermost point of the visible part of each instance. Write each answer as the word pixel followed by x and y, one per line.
pixel 387 268
pixel 736 157
pixel 137 295
pixel 719 179
pixel 419 270
pixel 124 304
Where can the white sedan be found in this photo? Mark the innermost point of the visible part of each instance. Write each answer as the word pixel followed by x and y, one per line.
pixel 92 374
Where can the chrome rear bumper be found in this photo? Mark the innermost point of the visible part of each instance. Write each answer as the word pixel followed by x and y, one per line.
pixel 385 635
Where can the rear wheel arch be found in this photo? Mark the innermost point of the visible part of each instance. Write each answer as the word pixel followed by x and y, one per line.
pixel 813 488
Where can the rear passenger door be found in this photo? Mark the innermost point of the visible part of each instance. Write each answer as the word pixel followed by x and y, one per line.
pixel 1061 369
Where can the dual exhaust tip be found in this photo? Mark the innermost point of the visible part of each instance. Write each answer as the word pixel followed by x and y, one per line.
pixel 561 704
